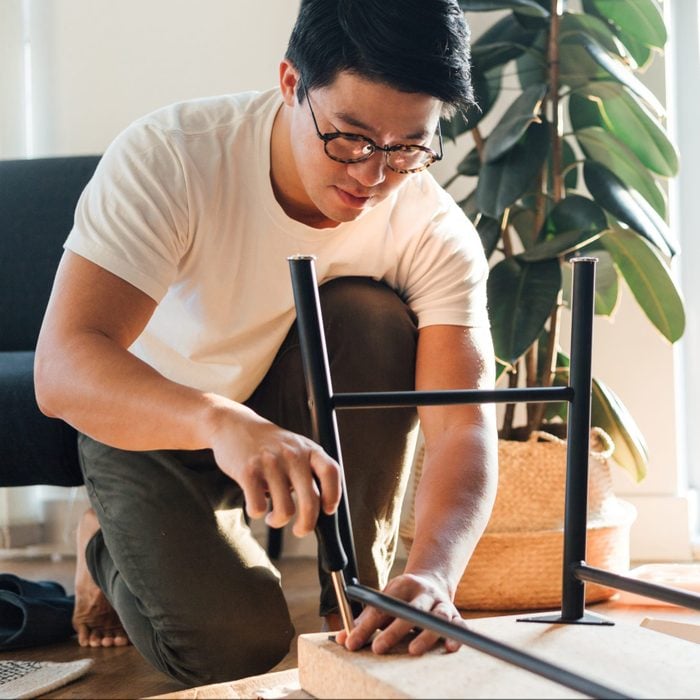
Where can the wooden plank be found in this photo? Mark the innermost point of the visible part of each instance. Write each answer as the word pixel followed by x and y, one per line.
pixel 624 657
pixel 278 685
pixel 682 630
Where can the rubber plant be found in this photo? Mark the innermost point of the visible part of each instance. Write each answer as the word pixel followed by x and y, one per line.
pixel 574 166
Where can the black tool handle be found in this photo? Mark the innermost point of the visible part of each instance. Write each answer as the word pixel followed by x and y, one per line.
pixel 332 553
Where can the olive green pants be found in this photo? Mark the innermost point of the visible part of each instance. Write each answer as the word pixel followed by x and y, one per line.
pixel 194 590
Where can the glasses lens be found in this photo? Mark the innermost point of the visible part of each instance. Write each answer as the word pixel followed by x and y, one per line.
pixel 409 159
pixel 349 149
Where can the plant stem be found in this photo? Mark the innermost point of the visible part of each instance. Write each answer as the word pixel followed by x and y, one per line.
pixel 536 414
pixel 478 142
pixel 540 200
pixel 505 234
pixel 509 413
pixel 531 377
pixel 553 62
pixel 550 365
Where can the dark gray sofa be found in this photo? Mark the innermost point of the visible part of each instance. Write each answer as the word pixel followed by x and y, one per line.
pixel 37 202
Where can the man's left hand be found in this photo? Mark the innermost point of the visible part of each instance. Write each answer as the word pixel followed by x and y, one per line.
pixel 422 591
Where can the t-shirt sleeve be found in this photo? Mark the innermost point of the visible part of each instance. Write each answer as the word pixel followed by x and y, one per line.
pixel 446 280
pixel 132 218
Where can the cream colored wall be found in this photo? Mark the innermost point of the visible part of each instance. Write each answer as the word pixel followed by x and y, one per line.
pixel 11 83
pixel 99 64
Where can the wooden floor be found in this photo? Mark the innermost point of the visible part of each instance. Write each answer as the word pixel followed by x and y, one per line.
pixel 122 673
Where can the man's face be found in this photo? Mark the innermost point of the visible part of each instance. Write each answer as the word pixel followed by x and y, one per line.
pixel 321 192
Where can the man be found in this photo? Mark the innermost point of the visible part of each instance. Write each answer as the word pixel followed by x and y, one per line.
pixel 169 343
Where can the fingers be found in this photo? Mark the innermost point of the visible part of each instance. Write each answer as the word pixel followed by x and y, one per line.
pixel 398 629
pixel 366 624
pixel 284 478
pixel 386 632
pixel 328 473
pixel 289 474
pixel 426 640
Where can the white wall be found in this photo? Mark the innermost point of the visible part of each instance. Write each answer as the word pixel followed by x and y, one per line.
pixel 99 64
pixel 12 136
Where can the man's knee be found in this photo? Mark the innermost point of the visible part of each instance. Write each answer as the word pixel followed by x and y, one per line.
pixel 371 335
pixel 221 647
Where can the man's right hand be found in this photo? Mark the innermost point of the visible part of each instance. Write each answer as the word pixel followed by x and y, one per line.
pixel 269 462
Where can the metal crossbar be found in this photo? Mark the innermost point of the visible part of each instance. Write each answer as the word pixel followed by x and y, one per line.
pixel 323 404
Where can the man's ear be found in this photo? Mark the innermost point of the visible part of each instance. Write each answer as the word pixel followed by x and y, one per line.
pixel 289 81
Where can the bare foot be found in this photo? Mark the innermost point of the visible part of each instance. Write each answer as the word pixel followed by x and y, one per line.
pixel 94 619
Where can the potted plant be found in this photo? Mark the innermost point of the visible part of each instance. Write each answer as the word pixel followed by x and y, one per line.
pixel 573 166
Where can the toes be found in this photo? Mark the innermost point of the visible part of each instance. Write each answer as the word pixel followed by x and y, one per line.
pixel 83 635
pixel 107 641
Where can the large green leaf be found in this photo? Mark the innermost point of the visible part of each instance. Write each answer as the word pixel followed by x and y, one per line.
pixel 649 280
pixel 612 107
pixel 622 73
pixel 498 53
pixel 505 180
pixel 521 297
pixel 627 206
pixel 585 112
pixel 576 67
pixel 469 207
pixel 490 233
pixel 610 414
pixel 604 148
pixel 607 289
pixel 532 64
pixel 531 7
pixel 553 409
pixel 503 41
pixel 641 53
pixel 522 219
pixel 641 19
pixel 583 60
pixel 568 167
pixel 487 88
pixel 574 22
pixel 572 223
pixel 470 164
pixel 514 123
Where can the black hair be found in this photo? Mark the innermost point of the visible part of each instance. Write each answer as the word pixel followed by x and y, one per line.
pixel 417 46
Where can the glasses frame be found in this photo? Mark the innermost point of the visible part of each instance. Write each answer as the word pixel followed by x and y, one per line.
pixel 332 135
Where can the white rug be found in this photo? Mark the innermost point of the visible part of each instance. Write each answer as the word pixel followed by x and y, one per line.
pixel 29 679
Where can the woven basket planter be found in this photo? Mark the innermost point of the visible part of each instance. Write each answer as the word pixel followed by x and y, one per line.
pixel 517 564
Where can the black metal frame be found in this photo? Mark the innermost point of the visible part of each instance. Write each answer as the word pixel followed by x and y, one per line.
pixel 323 404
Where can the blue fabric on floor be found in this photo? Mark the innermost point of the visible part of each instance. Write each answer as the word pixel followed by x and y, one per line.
pixel 31 589
pixel 33 613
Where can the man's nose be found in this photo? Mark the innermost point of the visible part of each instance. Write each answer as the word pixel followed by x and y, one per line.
pixel 370 172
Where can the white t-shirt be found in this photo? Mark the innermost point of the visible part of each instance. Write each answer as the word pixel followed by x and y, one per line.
pixel 182 207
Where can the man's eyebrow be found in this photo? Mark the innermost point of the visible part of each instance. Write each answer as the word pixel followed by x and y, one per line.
pixel 359 124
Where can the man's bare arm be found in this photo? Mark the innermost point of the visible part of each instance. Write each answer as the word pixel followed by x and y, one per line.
pixel 457 487
pixel 85 375
pixel 459 472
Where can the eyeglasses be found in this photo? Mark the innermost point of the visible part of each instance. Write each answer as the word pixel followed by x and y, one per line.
pixel 353 148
